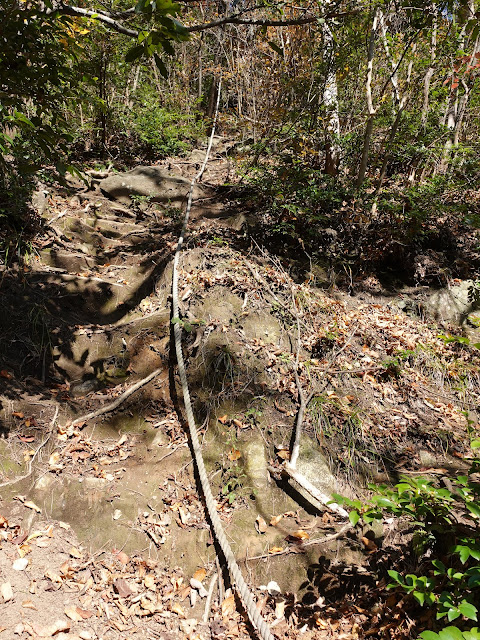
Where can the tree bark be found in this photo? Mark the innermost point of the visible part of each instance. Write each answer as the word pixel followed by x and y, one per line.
pixel 429 74
pixel 370 108
pixel 330 101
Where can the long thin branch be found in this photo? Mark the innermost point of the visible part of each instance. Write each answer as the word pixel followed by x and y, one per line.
pixel 287 22
pixel 116 25
pixel 301 393
pixel 306 543
pixel 116 403
pixel 69 10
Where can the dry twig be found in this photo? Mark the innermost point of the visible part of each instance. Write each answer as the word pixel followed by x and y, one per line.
pixel 116 403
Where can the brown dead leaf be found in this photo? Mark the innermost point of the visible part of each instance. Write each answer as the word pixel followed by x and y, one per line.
pixel 184 593
pixel 51 630
pixel 234 454
pixel 4 374
pixel 54 459
pixel 223 419
pixel 121 587
pixel 284 454
pixel 275 520
pixel 67 570
pixel 149 582
pixel 75 553
pixel 28 604
pixel 260 525
pixel 121 556
pixel 20 539
pixel 43 543
pixel 26 438
pixel 184 515
pixel 24 549
pixel 31 505
pixel 6 591
pixel 228 606
pixel 178 609
pixel 54 577
pixel 238 424
pixel 35 534
pixel 275 550
pixel 300 534
pixel 149 606
pixel 71 612
pixel 369 544
pixel 18 414
pixel 3 523
pixel 200 574
pixel 84 614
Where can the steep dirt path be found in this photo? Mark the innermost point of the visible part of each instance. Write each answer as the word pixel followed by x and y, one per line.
pixel 89 315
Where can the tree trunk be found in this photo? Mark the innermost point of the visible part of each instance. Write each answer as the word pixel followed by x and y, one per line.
pixel 430 72
pixel 456 103
pixel 330 101
pixel 368 91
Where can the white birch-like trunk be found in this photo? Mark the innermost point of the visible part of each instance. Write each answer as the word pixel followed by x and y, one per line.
pixel 330 101
pixel 368 92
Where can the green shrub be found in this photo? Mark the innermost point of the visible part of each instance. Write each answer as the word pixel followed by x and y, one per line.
pixel 166 133
pixel 447 524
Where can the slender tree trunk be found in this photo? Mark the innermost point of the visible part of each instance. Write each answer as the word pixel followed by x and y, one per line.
pixel 200 70
pixel 330 101
pixel 457 103
pixel 370 108
pixel 158 84
pixel 103 97
pixel 461 113
pixel 394 79
pixel 430 72
pixel 386 158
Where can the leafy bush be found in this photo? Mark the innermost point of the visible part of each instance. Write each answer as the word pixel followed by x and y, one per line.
pixel 164 132
pixel 447 526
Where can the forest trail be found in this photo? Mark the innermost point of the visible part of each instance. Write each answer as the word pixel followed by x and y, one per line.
pixel 108 514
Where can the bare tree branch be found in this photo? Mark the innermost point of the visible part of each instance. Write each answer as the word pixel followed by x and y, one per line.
pixel 270 23
pixel 69 10
pixel 113 20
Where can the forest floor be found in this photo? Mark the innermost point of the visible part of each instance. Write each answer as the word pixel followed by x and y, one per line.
pixel 103 533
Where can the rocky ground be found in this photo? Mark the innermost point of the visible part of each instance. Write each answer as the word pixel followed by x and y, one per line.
pixel 102 530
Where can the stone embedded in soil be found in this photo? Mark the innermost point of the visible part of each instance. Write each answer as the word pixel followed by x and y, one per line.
pixel 452 304
pixel 313 466
pixel 256 462
pixel 155 183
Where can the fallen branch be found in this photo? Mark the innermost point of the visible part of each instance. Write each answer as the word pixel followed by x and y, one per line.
pixel 208 603
pixel 172 451
pixel 289 467
pixel 116 403
pixel 320 497
pixel 304 400
pixel 307 543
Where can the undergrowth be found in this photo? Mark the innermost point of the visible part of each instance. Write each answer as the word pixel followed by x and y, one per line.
pixel 444 547
pixel 302 209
